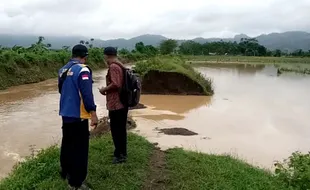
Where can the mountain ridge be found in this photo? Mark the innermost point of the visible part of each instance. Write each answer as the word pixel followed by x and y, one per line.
pixel 286 41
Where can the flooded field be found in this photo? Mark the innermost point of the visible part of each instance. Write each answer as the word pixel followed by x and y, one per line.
pixel 254 114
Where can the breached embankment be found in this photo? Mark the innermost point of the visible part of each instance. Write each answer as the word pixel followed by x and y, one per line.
pixel 172 77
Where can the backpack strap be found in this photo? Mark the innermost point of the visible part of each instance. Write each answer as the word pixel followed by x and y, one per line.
pixel 63 76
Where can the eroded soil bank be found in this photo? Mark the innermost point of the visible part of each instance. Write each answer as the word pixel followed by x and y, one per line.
pixel 170 83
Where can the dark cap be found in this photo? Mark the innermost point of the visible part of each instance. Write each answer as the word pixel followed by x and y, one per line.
pixel 110 51
pixel 80 51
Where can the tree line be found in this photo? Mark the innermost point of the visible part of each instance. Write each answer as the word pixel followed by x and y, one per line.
pixel 246 47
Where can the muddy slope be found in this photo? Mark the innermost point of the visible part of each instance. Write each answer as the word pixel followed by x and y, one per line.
pixel 169 83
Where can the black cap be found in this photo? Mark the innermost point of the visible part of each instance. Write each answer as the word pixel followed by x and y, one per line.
pixel 110 51
pixel 79 51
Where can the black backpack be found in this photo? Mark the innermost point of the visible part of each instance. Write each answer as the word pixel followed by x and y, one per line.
pixel 131 89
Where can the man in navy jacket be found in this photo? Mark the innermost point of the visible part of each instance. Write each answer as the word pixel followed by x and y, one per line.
pixel 77 106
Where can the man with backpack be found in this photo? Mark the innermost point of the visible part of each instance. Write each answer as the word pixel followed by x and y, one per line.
pixel 120 95
pixel 76 108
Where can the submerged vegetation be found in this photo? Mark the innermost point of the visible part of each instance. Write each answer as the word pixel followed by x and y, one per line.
pixel 174 65
pixel 150 168
pixel 247 59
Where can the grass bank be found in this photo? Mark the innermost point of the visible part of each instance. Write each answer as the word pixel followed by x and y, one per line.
pixel 284 64
pixel 174 65
pixel 24 66
pixel 147 168
pixel 247 59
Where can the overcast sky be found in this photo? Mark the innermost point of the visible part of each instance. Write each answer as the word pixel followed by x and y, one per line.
pixel 108 19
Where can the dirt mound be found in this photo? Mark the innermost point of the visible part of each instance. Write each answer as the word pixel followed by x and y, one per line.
pixel 104 126
pixel 178 131
pixel 173 83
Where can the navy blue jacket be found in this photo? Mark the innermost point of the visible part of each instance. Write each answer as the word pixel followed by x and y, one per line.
pixel 76 99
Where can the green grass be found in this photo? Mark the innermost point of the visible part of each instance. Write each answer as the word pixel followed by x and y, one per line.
pixel 175 64
pixel 42 172
pixel 182 170
pixel 190 170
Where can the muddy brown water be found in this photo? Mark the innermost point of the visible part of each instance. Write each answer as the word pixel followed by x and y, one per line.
pixel 254 114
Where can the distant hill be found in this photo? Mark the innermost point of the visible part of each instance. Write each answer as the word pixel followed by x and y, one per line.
pixel 287 41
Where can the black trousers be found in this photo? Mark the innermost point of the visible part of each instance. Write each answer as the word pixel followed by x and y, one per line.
pixel 118 121
pixel 74 151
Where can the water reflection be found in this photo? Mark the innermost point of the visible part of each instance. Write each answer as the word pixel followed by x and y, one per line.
pixel 163 107
pixel 176 104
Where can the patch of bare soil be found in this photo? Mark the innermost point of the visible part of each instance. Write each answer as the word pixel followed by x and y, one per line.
pixel 157 177
pixel 104 126
pixel 139 106
pixel 169 83
pixel 178 131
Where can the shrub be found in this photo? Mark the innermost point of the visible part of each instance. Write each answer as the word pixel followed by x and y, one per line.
pixel 295 171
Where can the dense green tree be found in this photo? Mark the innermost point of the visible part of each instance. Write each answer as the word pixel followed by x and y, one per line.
pixel 168 46
pixel 151 50
pixel 191 48
pixel 277 53
pixel 298 52
pixel 124 51
pixel 140 47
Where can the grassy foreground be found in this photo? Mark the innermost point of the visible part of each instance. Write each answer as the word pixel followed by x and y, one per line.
pixel 174 64
pixel 42 172
pixel 182 170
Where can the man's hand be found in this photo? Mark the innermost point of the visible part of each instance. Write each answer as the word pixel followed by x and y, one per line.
pixel 94 120
pixel 102 91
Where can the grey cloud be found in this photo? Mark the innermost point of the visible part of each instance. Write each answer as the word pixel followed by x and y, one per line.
pixel 278 16
pixel 61 6
pixel 95 18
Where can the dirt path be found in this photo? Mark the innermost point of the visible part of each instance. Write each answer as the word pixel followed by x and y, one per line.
pixel 157 177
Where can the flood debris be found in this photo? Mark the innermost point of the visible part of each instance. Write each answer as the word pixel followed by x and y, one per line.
pixel 139 106
pixel 178 131
pixel 206 138
pixel 104 126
